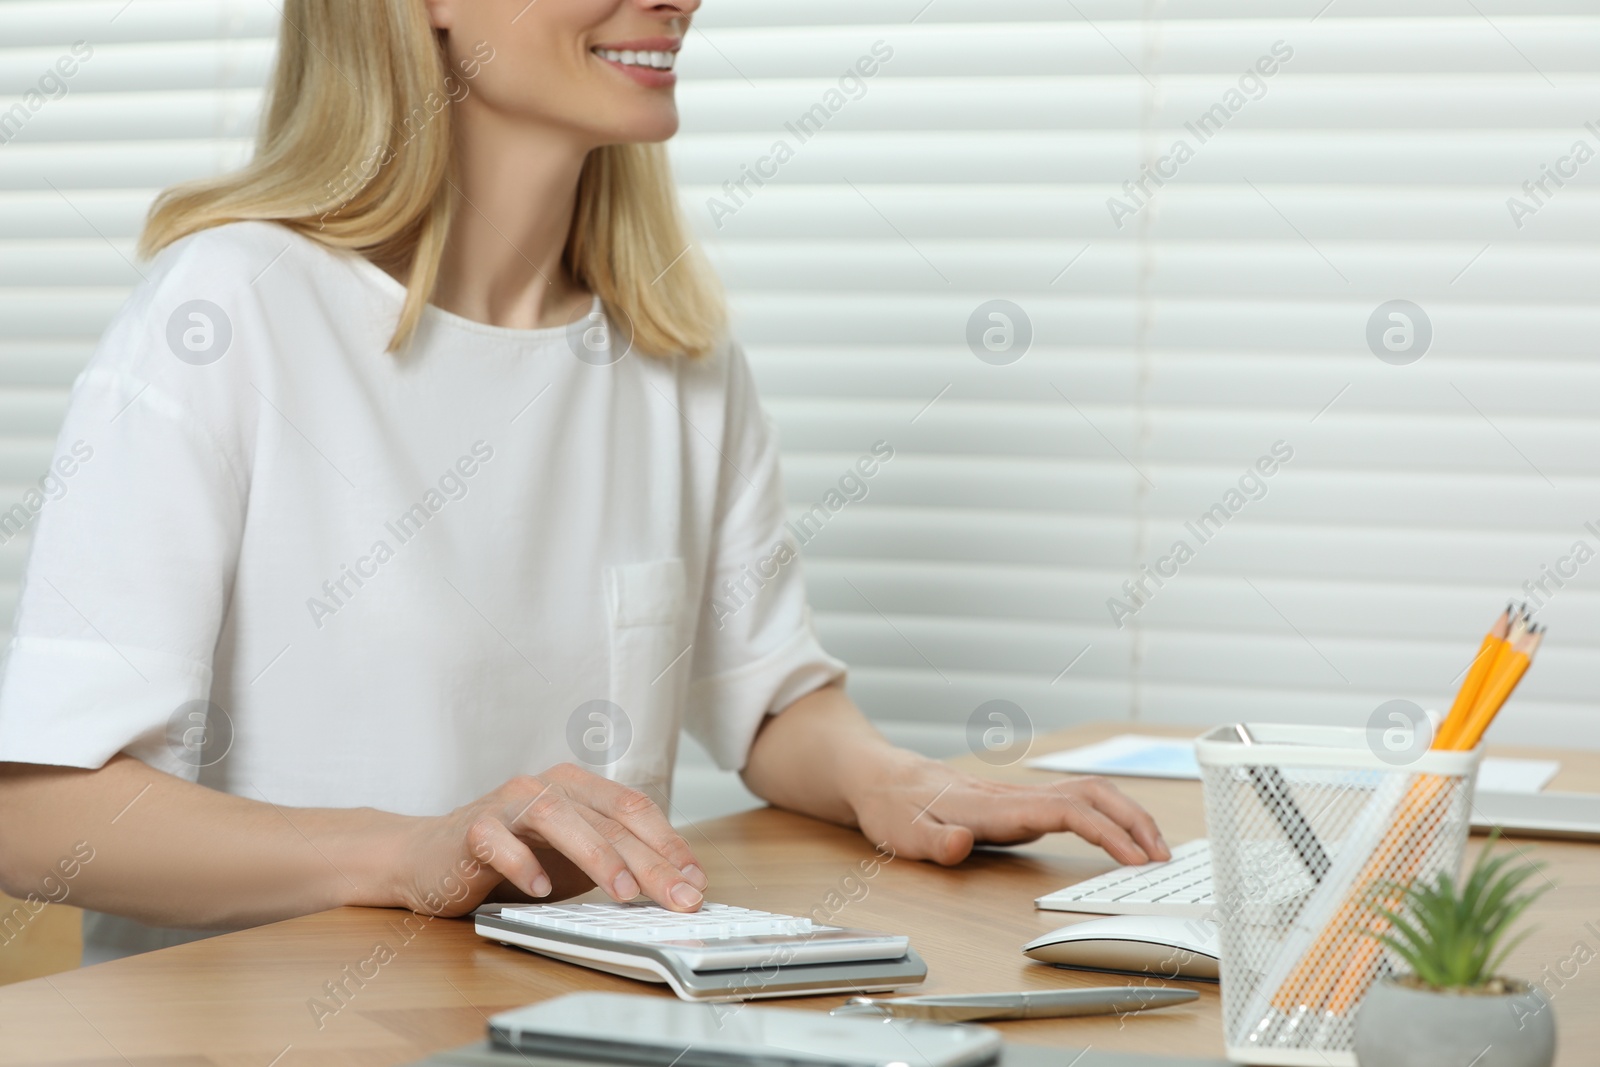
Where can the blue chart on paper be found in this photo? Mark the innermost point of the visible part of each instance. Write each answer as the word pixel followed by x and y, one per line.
pixel 1156 759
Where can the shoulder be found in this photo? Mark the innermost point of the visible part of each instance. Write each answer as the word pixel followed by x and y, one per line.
pixel 230 253
pixel 203 280
pixel 219 292
pixel 231 266
pixel 207 323
pixel 721 387
pixel 724 371
pixel 722 400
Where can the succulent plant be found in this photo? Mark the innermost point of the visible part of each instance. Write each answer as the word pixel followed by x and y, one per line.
pixel 1453 934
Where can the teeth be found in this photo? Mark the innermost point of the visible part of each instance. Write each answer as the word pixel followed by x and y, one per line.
pixel 653 60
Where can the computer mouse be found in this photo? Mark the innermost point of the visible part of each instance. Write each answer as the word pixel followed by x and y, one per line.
pixel 1157 945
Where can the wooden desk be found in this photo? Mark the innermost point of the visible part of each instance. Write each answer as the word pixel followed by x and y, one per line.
pixel 246 999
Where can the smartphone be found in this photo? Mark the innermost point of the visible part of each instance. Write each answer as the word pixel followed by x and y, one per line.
pixel 659 1032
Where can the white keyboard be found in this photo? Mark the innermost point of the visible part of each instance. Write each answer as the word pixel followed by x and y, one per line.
pixel 1179 887
pixel 649 924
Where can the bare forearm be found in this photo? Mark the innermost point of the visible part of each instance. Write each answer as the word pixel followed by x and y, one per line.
pixel 808 758
pixel 172 853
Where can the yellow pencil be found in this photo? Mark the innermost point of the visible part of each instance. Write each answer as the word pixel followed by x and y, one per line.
pixel 1493 641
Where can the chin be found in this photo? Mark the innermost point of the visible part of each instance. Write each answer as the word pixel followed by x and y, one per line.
pixel 643 129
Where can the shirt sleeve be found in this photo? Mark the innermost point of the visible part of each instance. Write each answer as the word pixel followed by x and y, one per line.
pixel 756 649
pixel 136 537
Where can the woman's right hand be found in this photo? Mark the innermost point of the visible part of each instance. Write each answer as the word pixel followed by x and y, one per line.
pixel 614 835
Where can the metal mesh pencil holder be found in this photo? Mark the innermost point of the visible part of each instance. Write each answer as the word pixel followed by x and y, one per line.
pixel 1309 826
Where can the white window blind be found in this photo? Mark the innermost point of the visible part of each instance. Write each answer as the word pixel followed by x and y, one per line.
pixel 1227 312
pixel 1188 310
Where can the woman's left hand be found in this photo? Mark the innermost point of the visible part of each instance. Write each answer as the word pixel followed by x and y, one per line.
pixel 925 809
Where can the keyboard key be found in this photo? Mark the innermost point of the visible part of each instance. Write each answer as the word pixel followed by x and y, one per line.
pixel 1180 886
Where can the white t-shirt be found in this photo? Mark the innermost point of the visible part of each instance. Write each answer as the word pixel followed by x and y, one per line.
pixel 404 579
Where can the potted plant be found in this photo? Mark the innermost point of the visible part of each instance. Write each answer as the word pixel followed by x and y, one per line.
pixel 1454 1009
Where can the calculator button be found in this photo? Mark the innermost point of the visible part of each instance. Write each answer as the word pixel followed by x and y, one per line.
pixel 646 923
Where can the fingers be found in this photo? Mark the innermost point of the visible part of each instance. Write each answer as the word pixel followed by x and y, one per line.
pixel 637 813
pixel 1097 828
pixel 1126 813
pixel 614 834
pixel 493 844
pixel 965 809
pixel 1010 814
pixel 550 814
pixel 659 879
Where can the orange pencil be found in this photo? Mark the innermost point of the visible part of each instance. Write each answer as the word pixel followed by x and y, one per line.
pixel 1510 667
pixel 1493 641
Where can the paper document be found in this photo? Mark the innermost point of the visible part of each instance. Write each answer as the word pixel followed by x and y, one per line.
pixel 1141 756
pixel 1129 754
pixel 1497 775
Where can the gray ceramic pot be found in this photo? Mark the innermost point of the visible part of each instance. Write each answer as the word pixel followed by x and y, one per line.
pixel 1403 1027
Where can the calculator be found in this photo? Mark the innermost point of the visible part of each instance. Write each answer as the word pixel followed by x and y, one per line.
pixel 719 953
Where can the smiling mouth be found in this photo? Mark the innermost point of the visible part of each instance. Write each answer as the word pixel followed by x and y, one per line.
pixel 647 60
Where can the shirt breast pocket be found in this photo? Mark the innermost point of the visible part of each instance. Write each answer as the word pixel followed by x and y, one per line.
pixel 650 622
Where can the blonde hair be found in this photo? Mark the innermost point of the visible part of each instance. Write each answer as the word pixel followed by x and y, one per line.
pixel 342 158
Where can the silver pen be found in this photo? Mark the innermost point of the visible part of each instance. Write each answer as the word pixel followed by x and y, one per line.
pixel 1034 1004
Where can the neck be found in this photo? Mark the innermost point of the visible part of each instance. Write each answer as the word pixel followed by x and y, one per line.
pixel 514 199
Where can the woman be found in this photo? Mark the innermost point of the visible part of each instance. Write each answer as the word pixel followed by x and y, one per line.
pixel 404 483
